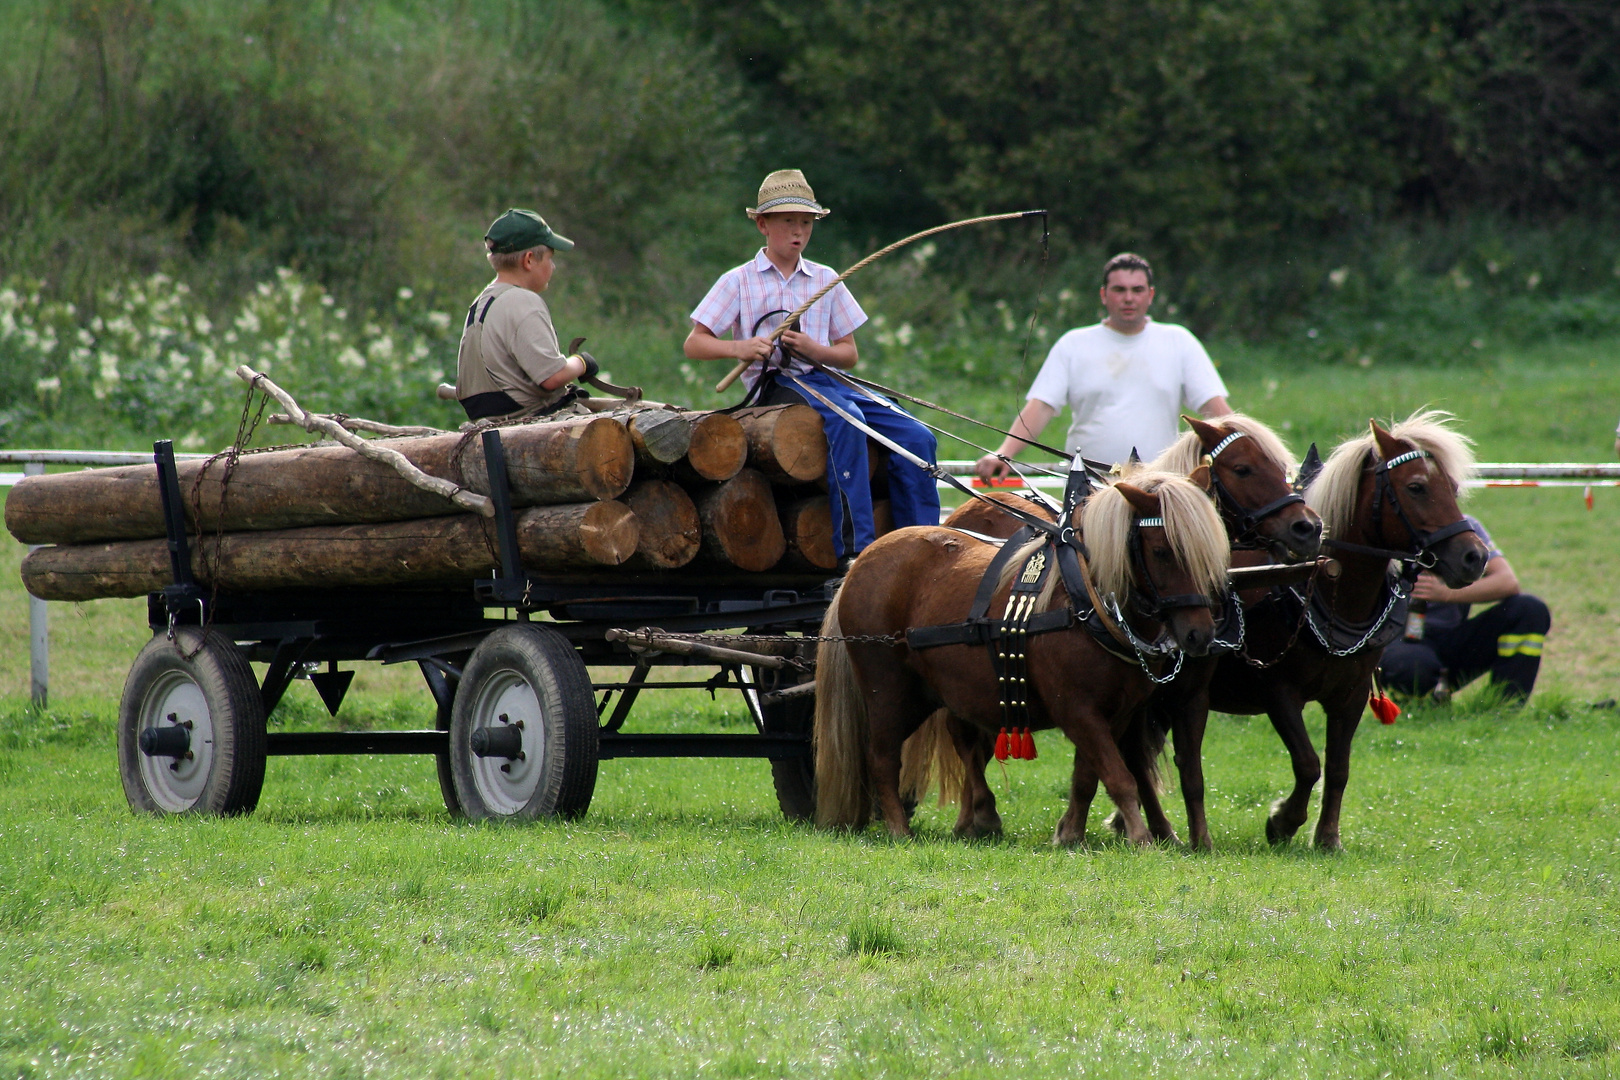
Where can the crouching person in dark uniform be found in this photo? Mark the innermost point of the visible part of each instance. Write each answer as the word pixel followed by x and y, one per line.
pixel 1504 640
pixel 510 363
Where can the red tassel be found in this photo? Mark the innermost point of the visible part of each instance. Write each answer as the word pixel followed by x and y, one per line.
pixel 1029 745
pixel 1003 747
pixel 1383 708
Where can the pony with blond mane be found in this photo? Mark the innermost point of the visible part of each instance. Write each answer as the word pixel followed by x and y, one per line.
pixel 1249 480
pixel 1156 536
pixel 1388 498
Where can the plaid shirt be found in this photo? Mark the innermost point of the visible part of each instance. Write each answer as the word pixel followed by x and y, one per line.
pixel 744 294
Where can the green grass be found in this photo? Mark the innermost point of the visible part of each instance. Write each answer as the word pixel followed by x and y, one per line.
pixel 349 927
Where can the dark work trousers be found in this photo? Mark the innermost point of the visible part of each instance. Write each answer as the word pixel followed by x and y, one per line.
pixel 1504 640
pixel 913 494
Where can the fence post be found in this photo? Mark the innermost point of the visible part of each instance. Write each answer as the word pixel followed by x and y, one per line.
pixel 39 628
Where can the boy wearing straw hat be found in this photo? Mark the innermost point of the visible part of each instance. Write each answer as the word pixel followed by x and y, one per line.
pixel 749 301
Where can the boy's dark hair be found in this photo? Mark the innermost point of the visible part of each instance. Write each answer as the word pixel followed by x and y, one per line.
pixel 1127 260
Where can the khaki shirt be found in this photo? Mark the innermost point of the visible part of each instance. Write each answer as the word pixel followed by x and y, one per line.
pixel 520 344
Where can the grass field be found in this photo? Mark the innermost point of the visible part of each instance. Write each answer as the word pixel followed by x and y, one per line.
pixel 350 928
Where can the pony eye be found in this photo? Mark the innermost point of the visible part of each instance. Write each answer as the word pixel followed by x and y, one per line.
pixel 1242 470
pixel 1161 552
pixel 1417 487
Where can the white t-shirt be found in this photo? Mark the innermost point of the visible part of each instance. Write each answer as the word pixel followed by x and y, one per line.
pixel 1126 390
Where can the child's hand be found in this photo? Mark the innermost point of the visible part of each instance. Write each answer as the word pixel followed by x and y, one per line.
pixel 754 349
pixel 800 344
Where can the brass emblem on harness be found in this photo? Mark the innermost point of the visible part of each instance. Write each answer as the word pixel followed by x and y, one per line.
pixel 1033 568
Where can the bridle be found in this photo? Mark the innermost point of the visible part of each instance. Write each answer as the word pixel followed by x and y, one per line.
pixel 1145 597
pixel 1244 521
pixel 1420 554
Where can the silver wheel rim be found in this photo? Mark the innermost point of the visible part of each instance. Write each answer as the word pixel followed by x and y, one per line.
pixel 506 785
pixel 176 784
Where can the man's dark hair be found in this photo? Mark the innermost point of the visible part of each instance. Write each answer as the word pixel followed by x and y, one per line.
pixel 1127 260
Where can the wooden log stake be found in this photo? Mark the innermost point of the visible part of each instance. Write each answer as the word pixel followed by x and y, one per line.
pixel 740 524
pixel 660 436
pixel 670 532
pixel 429 550
pixel 807 529
pixel 557 463
pixel 785 442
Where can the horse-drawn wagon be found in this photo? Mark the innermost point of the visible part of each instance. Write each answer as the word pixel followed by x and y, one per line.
pixel 521 720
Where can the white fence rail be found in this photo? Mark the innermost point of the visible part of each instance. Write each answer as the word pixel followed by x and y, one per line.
pixel 1492 474
pixel 34 462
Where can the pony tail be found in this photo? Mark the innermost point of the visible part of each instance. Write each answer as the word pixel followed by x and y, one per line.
pixel 928 753
pixel 843 798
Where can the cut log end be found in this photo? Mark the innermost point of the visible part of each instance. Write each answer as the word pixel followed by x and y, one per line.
pixel 719 447
pixel 661 436
pixel 670 532
pixel 741 527
pixel 807 529
pixel 785 442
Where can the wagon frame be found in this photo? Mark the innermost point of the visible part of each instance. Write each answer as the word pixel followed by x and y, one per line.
pixel 520 725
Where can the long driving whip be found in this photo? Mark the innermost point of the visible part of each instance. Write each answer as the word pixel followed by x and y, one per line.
pixel 776 334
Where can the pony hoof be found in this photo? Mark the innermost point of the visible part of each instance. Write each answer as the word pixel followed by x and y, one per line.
pixel 1277 833
pixel 980 830
pixel 1329 844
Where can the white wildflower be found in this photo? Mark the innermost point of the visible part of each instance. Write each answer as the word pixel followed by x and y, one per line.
pixel 405 293
pixel 202 325
pixel 351 358
pixel 247 322
pixel 439 319
pixel 381 348
pixel 46 386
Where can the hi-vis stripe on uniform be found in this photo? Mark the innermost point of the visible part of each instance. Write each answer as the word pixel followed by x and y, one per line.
pixel 1520 644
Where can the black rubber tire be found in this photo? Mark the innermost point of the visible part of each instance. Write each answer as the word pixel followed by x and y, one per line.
pixel 201 678
pixel 531 671
pixel 447 775
pixel 794 778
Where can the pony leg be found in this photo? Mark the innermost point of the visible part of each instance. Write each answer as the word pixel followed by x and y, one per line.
pixel 1289 812
pixel 1342 720
pixel 1140 747
pixel 1071 827
pixel 1191 717
pixel 1098 759
pixel 897 710
pixel 977 816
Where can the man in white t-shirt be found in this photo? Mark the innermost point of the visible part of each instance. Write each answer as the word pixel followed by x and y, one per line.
pixel 1126 380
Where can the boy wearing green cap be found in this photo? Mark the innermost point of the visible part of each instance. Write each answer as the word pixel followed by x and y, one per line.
pixel 510 361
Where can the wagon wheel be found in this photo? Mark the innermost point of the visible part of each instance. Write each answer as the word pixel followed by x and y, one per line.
pixel 795 777
pixel 523 729
pixel 191 736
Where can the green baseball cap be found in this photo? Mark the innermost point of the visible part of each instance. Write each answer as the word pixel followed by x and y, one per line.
pixel 520 230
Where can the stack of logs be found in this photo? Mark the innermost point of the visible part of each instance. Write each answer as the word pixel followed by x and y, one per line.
pixel 647 490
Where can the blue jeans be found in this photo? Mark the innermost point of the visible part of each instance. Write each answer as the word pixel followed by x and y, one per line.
pixel 913 495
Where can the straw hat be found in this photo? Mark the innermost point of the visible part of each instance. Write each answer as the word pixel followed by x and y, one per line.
pixel 786 191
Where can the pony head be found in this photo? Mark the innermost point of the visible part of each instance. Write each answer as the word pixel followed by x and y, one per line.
pixel 1420 493
pixel 1251 485
pixel 1185 556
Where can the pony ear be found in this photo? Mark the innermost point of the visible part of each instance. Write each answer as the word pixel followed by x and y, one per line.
pixel 1201 476
pixel 1388 445
pixel 1143 503
pixel 1208 433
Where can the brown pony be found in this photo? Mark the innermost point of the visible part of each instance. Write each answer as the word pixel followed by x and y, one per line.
pixel 873 694
pixel 1252 491
pixel 1387 494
